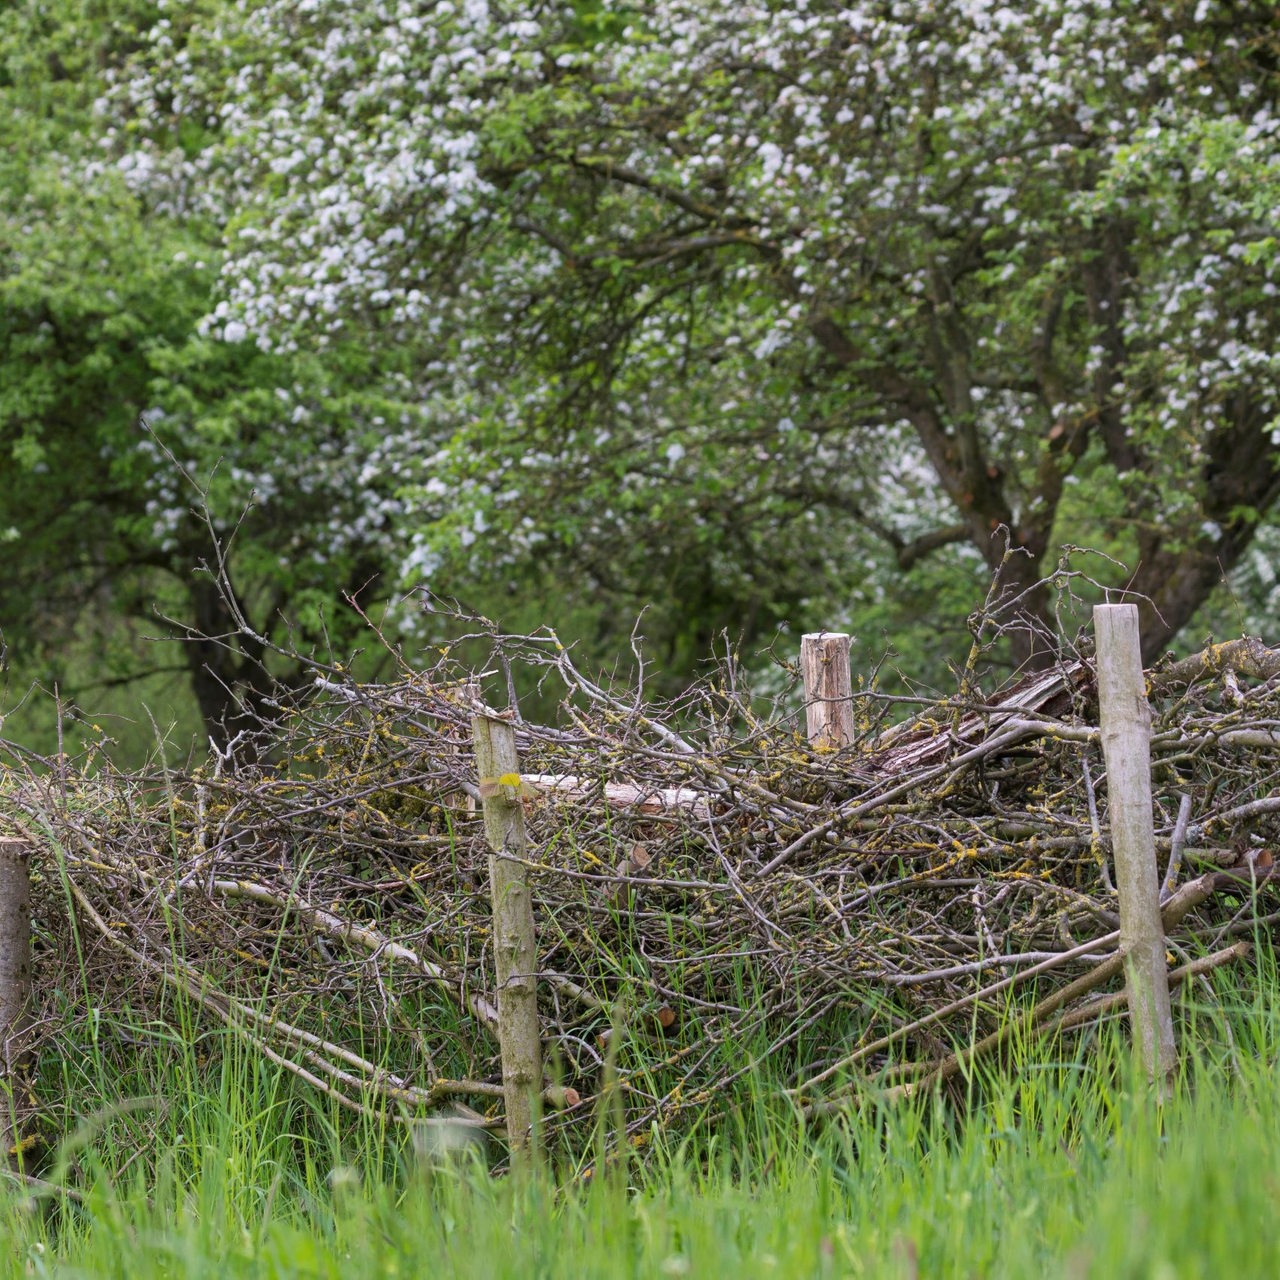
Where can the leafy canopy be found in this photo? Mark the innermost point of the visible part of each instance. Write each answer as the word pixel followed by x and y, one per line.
pixel 765 312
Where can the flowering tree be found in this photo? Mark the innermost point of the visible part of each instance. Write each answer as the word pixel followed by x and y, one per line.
pixel 915 268
pixel 742 305
pixel 136 444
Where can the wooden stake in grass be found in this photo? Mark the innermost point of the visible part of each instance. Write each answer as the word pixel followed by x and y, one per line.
pixel 514 944
pixel 15 985
pixel 1126 744
pixel 828 688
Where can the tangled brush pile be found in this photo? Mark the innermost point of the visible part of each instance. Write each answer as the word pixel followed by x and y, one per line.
pixel 712 895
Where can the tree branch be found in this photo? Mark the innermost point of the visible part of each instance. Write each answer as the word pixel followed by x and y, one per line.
pixel 608 168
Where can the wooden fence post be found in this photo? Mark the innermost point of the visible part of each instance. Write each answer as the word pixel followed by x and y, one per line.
pixel 15 985
pixel 1126 744
pixel 515 948
pixel 828 688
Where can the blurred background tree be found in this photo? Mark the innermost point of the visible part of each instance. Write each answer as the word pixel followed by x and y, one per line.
pixel 755 317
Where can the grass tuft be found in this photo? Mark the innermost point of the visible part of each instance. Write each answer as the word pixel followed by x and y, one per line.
pixel 221 1165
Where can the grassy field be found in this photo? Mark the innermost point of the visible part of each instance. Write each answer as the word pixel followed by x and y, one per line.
pixel 220 1165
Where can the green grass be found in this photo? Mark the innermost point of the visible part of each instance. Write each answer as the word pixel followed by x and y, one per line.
pixel 224 1166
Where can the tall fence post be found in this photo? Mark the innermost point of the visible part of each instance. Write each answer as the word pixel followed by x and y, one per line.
pixel 15 986
pixel 828 688
pixel 1126 745
pixel 515 948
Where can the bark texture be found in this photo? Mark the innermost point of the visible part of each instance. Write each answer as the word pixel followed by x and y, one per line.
pixel 514 943
pixel 1126 744
pixel 828 688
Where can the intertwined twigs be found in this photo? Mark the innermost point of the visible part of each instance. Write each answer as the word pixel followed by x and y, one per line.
pixel 711 894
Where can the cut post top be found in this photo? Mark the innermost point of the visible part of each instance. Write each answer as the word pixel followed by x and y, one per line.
pixel 828 688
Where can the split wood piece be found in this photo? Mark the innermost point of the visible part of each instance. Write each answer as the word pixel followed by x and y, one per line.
pixel 828 688
pixel 1126 745
pixel 514 943
pixel 926 740
pixel 620 795
pixel 15 989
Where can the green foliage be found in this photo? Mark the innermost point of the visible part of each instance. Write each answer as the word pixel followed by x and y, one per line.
pixel 747 283
pixel 742 315
pixel 220 1167
pixel 120 414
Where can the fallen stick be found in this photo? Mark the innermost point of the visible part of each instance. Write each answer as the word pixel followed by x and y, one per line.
pixel 322 921
pixel 335 927
pixel 1036 1025
pixel 1249 656
pixel 1204 964
pixel 239 1015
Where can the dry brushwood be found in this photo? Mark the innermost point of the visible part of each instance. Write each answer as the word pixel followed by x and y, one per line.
pixel 711 893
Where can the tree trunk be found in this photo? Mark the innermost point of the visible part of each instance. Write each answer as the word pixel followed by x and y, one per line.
pixel 229 677
pixel 1241 481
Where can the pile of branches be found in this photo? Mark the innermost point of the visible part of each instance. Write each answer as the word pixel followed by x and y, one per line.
pixel 713 895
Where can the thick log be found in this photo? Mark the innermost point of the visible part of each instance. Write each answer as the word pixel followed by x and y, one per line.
pixel 1248 656
pixel 922 741
pixel 1126 745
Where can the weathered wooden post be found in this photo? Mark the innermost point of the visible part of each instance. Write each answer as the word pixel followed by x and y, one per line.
pixel 828 688
pixel 15 984
pixel 1126 745
pixel 515 948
